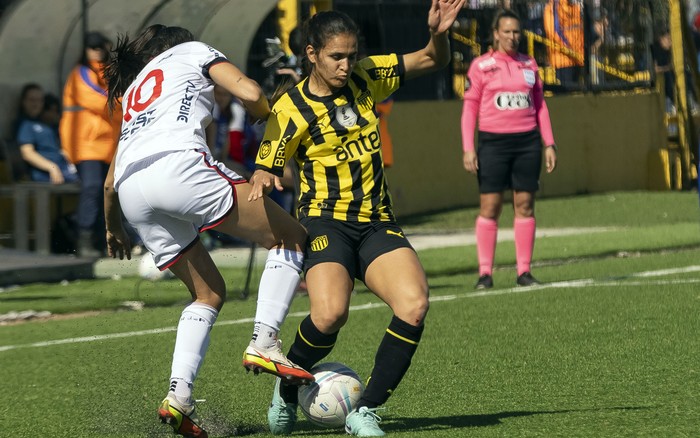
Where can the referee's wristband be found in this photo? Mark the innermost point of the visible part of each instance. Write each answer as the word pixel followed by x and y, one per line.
pixel 553 146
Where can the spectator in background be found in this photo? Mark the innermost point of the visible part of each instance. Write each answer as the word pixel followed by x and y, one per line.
pixel 88 137
pixel 563 25
pixel 696 36
pixel 504 94
pixel 383 111
pixel 661 52
pixel 51 115
pixel 599 37
pixel 38 142
pixel 663 64
pixel 294 68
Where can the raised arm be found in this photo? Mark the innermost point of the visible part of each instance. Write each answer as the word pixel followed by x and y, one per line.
pixel 436 54
pixel 241 86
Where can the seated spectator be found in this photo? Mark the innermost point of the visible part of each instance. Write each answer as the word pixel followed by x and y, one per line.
pixel 51 115
pixel 39 143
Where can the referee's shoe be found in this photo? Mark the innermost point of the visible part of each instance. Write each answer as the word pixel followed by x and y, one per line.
pixel 484 282
pixel 526 279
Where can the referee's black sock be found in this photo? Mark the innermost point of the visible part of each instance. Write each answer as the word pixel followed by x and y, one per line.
pixel 391 362
pixel 310 346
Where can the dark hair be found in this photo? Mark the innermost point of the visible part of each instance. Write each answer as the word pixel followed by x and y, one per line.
pixel 130 57
pixel 95 40
pixel 25 90
pixel 51 100
pixel 296 41
pixel 20 108
pixel 324 25
pixel 503 13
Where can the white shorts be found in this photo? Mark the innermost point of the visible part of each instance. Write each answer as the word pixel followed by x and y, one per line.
pixel 171 200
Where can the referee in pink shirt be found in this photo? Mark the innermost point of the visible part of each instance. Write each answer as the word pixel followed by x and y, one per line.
pixel 504 92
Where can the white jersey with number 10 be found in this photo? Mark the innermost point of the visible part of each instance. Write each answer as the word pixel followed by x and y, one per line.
pixel 168 105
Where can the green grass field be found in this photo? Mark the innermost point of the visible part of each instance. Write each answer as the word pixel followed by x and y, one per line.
pixel 607 347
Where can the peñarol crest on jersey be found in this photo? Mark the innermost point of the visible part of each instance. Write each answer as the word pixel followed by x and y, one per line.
pixel 346 116
pixel 319 244
pixel 265 149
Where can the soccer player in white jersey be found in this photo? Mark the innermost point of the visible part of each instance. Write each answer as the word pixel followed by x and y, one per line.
pixel 167 185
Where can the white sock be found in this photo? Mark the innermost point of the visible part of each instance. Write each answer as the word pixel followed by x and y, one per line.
pixel 264 336
pixel 191 345
pixel 277 287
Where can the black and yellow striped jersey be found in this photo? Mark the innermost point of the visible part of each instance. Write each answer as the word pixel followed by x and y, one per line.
pixel 335 141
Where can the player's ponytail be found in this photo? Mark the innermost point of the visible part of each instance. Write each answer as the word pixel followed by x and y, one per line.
pixel 130 57
pixel 121 70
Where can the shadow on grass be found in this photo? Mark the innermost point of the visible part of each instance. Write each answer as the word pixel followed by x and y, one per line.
pixel 36 298
pixel 482 420
pixel 221 426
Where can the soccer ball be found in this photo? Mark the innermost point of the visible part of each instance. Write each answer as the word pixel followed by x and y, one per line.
pixel 333 395
pixel 149 271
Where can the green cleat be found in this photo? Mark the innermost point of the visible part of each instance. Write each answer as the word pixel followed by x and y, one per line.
pixel 363 422
pixel 281 416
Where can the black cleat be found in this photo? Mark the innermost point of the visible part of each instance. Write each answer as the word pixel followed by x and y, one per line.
pixel 485 282
pixel 526 279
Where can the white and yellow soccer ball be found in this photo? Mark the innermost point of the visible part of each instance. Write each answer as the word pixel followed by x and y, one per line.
pixel 333 395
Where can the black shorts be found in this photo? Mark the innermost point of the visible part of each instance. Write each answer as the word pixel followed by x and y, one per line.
pixel 354 245
pixel 509 161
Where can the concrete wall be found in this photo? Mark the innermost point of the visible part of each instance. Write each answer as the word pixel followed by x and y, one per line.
pixel 41 40
pixel 606 142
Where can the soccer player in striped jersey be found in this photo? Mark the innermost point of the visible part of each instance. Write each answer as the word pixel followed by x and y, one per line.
pixel 328 124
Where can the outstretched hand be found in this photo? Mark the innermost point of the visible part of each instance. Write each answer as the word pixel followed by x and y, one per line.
pixel 263 182
pixel 442 14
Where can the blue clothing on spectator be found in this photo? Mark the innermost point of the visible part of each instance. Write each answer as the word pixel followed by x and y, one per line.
pixel 46 144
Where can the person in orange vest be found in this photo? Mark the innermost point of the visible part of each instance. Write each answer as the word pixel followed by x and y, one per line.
pixel 89 133
pixel 563 25
pixel 384 109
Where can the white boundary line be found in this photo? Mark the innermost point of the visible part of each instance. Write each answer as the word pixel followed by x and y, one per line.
pixel 582 283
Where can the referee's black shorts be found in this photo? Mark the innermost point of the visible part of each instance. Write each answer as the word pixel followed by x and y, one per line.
pixel 355 245
pixel 509 161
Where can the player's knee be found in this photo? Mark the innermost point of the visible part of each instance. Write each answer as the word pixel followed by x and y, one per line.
pixel 212 297
pixel 419 311
pixel 413 308
pixel 330 321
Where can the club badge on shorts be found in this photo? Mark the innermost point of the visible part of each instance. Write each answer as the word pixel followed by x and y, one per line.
pixel 346 116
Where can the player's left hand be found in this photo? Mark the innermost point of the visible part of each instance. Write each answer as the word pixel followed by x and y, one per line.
pixel 118 243
pixel 442 14
pixel 550 159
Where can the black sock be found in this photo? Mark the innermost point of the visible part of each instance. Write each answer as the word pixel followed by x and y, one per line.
pixel 310 346
pixel 391 362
